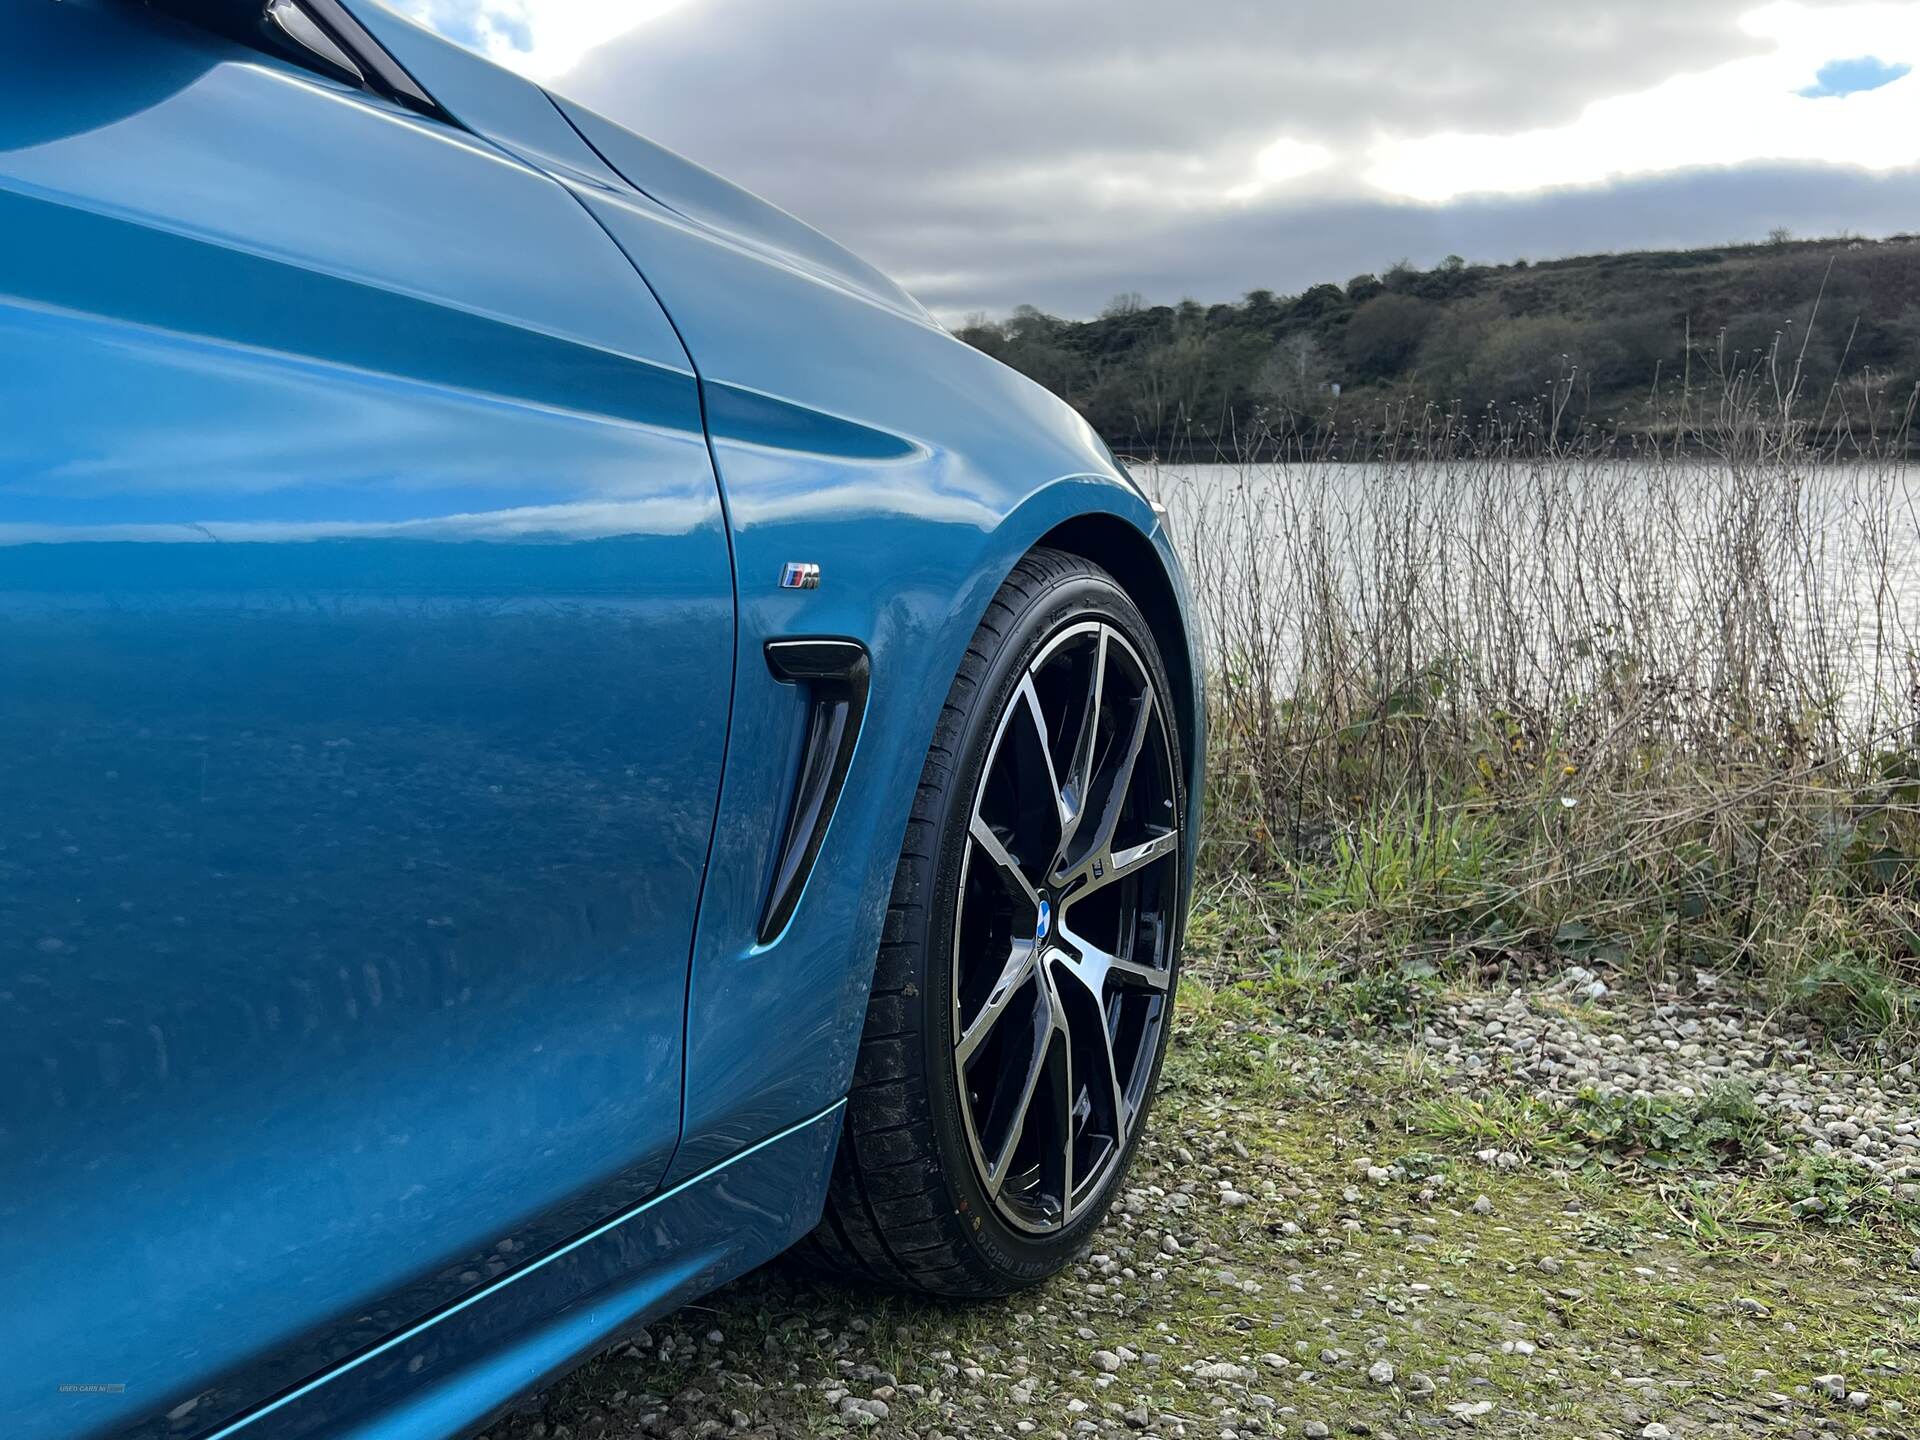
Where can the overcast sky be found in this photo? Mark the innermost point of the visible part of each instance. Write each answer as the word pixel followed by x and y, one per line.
pixel 1058 152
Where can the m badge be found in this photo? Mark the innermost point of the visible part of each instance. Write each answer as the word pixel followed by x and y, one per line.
pixel 800 575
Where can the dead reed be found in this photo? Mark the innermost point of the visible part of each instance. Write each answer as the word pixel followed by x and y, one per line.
pixel 1496 695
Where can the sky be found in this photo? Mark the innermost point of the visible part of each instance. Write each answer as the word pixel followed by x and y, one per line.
pixel 990 153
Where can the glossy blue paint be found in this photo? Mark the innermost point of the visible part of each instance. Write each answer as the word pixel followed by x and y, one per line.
pixel 916 471
pixel 487 100
pixel 724 209
pixel 392 514
pixel 457 1370
pixel 347 873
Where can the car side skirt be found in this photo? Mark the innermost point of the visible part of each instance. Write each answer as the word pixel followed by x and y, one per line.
pixel 456 1371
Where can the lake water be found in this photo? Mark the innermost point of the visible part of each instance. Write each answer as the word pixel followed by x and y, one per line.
pixel 1798 581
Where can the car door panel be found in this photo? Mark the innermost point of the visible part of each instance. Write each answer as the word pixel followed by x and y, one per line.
pixel 366 634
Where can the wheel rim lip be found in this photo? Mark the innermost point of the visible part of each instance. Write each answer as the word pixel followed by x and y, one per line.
pixel 1133 1087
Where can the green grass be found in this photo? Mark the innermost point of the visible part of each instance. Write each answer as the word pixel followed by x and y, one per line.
pixel 1357 929
pixel 1852 994
pixel 1721 1129
pixel 1310 988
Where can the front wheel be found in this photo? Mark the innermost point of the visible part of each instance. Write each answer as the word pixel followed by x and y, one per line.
pixel 1025 983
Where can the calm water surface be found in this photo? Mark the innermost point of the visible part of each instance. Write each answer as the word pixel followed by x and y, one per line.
pixel 1688 561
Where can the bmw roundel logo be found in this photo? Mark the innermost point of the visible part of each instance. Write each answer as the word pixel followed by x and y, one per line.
pixel 1045 922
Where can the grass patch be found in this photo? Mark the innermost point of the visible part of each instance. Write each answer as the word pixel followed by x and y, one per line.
pixel 1306 990
pixel 1851 996
pixel 1720 1129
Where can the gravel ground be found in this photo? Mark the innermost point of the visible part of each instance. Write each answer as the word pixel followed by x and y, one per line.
pixel 1393 1235
pixel 1666 1046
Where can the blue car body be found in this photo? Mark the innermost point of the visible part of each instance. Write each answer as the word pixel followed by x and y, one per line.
pixel 393 503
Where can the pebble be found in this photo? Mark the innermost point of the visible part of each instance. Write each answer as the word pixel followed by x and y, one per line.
pixel 1685 1048
pixel 1222 1370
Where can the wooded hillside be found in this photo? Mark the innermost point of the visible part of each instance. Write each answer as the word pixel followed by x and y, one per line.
pixel 1597 337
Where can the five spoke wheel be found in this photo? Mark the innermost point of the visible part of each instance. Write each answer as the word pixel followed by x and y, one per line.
pixel 1063 945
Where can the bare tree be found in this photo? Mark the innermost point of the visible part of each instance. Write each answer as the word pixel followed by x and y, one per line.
pixel 1295 376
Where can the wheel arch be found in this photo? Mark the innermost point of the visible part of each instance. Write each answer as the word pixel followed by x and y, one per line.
pixel 1133 559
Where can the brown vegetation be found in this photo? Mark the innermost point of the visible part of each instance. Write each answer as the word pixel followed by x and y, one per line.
pixel 1502 696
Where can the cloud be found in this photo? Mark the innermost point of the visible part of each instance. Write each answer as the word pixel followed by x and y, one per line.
pixel 989 152
pixel 1286 247
pixel 1086 93
pixel 539 38
pixel 492 27
pixel 1851 77
pixel 1739 111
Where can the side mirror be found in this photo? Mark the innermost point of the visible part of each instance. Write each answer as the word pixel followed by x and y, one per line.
pixel 324 34
pixel 289 26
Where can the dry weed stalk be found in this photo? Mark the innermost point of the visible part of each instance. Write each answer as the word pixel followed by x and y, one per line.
pixel 1666 695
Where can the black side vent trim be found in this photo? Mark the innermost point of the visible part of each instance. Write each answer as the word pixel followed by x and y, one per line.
pixel 837 674
pixel 295 28
pixel 383 72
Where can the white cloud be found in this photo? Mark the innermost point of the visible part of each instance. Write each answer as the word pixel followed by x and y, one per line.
pixel 539 38
pixel 1059 151
pixel 1741 111
pixel 1284 160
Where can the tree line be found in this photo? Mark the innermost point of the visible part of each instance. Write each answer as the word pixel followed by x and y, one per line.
pixel 1598 341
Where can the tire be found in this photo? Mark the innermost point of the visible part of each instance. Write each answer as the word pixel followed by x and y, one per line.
pixel 943 1183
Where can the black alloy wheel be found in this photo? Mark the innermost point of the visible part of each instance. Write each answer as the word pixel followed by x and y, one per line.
pixel 1025 985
